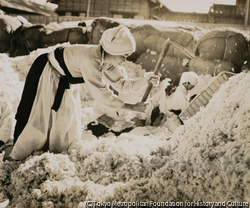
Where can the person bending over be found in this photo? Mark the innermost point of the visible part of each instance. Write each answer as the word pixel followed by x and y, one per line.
pixel 162 105
pixel 49 113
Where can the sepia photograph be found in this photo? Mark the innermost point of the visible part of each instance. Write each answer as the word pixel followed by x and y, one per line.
pixel 124 103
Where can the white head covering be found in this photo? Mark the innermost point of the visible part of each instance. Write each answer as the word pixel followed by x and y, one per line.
pixel 118 41
pixel 164 83
pixel 191 77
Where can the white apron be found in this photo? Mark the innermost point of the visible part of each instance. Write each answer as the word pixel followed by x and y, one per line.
pixel 61 128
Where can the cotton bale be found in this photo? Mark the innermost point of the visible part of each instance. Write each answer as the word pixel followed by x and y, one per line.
pixel 155 42
pixel 180 54
pixel 99 25
pixel 212 67
pixel 171 66
pixel 181 37
pixel 191 28
pixel 8 26
pixel 140 33
pixel 223 45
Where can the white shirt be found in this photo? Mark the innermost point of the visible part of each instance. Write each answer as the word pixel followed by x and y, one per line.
pixel 179 100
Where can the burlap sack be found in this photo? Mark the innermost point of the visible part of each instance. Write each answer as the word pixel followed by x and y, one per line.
pixel 99 25
pixel 140 33
pixel 223 45
pixel 8 27
pixel 171 67
pixel 212 67
pixel 178 36
pixel 156 43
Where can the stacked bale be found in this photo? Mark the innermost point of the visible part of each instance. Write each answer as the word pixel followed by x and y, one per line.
pixel 149 39
pixel 140 33
pixel 183 38
pixel 220 50
pixel 98 26
pixel 216 50
pixel 8 27
pixel 172 67
pixel 212 67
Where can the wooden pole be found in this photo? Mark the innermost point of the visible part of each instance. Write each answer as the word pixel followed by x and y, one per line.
pixel 247 13
pixel 157 68
pixel 88 8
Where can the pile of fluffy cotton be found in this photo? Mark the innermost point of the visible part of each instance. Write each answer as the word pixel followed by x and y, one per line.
pixel 210 158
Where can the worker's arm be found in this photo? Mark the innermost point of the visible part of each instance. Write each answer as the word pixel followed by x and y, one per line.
pixel 106 121
pixel 119 81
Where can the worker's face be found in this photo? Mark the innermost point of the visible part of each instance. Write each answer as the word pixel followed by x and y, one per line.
pixel 188 85
pixel 116 60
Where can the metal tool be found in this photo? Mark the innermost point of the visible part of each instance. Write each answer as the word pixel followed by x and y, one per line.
pixel 163 53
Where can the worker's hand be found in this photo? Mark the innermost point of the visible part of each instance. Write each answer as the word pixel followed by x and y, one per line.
pixel 153 78
pixel 105 120
pixel 165 83
pixel 158 120
pixel 139 107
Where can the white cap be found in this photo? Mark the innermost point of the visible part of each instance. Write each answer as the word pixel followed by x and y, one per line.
pixel 164 83
pixel 118 41
pixel 191 77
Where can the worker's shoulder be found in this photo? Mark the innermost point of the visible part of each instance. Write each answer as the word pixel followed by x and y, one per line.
pixel 83 51
pixel 82 47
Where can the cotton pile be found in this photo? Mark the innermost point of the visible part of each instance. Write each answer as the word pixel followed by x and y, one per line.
pixel 10 85
pixel 210 159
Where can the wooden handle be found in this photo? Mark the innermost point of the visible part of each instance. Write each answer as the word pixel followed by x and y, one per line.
pixel 157 68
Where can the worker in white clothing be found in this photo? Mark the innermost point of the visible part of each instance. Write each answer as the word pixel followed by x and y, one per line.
pixel 103 119
pixel 162 105
pixel 49 113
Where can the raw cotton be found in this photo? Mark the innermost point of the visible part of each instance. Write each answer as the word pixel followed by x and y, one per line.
pixel 10 86
pixel 210 158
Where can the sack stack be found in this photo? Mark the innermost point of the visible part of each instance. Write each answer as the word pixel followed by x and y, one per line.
pixel 215 50
pixel 220 50
pixel 149 43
